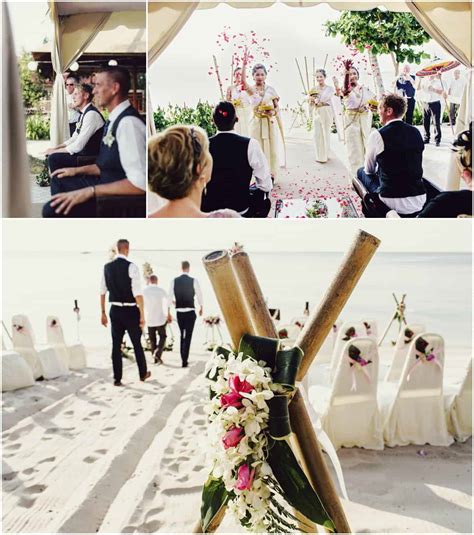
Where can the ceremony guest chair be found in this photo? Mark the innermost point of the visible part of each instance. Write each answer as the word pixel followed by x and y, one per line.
pixel 72 356
pixel 349 410
pixel 43 362
pixel 406 335
pixel 416 414
pixel 288 334
pixel 131 206
pixel 459 409
pixel 16 373
pixel 349 331
pixel 371 330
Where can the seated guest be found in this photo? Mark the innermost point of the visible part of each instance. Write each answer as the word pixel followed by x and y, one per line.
pixel 393 160
pixel 236 159
pixel 70 83
pixel 179 169
pixel 455 203
pixel 86 138
pixel 120 168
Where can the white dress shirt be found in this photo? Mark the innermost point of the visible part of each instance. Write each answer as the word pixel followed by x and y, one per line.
pixel 131 140
pixel 427 87
pixel 258 162
pixel 197 291
pixel 73 114
pixel 156 301
pixel 90 124
pixel 456 90
pixel 402 205
pixel 133 273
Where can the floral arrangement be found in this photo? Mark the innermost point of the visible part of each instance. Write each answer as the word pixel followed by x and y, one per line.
pixel 282 334
pixel 373 104
pixel 237 103
pixel 262 110
pixel 368 328
pixel 424 355
pixel 54 323
pixel 350 333
pixel 408 335
pixel 357 362
pixel 253 469
pixel 212 320
pixel 317 209
pixel 108 139
pixel 18 328
pixel 236 248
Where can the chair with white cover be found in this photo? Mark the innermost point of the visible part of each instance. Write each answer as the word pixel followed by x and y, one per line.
pixel 416 414
pixel 288 334
pixel 325 352
pixel 350 330
pixel 459 409
pixel 16 373
pixel 349 410
pixel 73 356
pixel 43 362
pixel 406 335
pixel 371 330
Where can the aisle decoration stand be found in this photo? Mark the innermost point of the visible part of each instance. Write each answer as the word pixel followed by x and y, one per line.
pixel 398 316
pixel 213 332
pixel 265 453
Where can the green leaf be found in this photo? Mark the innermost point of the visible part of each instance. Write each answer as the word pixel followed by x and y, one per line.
pixel 214 497
pixel 297 490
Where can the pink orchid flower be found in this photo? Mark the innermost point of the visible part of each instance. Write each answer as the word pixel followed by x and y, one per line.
pixel 233 436
pixel 238 386
pixel 232 399
pixel 244 477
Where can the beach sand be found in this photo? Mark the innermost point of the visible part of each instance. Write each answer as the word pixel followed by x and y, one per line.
pixel 80 455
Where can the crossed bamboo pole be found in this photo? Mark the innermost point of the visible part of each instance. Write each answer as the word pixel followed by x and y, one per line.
pixel 245 312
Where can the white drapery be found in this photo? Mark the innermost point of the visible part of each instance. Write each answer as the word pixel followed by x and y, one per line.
pixel 15 173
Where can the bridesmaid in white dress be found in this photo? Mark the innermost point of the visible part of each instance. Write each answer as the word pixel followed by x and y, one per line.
pixel 323 116
pixel 357 118
pixel 241 101
pixel 264 122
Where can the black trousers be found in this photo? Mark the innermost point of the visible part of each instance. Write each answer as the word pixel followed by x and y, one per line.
pixel 186 321
pixel 57 160
pixel 60 185
pixel 433 109
pixel 122 320
pixel 410 109
pixel 161 330
pixel 453 111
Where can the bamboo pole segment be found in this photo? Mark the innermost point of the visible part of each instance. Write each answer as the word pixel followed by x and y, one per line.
pixel 316 468
pixel 307 73
pixel 216 66
pixel 314 71
pixel 253 296
pixel 322 318
pixel 229 296
pixel 306 91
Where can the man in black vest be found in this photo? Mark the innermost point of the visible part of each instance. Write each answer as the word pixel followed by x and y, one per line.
pixel 183 291
pixel 86 138
pixel 121 278
pixel 393 160
pixel 235 160
pixel 120 168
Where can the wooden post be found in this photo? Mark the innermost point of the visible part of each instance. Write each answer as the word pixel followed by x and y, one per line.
pixel 322 319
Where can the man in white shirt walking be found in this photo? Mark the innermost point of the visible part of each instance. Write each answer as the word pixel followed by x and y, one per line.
pixel 184 291
pixel 120 168
pixel 87 136
pixel 455 92
pixel 432 92
pixel 156 301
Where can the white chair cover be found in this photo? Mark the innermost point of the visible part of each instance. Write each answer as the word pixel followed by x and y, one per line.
pixel 51 363
pixel 371 330
pixel 350 330
pixel 325 353
pixel 291 331
pixel 351 416
pixel 459 409
pixel 416 415
pixel 15 372
pixel 23 343
pixel 406 335
pixel 74 356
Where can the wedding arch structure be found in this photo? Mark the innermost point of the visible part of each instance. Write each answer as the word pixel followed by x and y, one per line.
pixel 447 22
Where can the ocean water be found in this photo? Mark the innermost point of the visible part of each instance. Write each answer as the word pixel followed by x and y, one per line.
pixel 438 288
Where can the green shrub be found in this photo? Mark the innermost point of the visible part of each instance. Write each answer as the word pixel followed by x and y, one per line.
pixel 201 116
pixel 37 127
pixel 32 83
pixel 43 178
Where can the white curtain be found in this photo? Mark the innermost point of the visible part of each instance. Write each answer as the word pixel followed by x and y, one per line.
pixel 16 200
pixel 72 35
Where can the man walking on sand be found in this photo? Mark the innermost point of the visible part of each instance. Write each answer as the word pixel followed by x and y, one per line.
pixel 184 289
pixel 121 278
pixel 156 300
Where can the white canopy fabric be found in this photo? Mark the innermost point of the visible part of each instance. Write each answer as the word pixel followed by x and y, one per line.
pixel 77 25
pixel 16 200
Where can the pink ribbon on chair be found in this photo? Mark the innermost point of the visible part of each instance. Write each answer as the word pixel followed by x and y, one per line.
pixel 423 357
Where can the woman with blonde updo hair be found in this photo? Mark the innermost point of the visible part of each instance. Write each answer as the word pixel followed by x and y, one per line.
pixel 179 169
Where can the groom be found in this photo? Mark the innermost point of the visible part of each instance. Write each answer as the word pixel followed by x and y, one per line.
pixel 120 168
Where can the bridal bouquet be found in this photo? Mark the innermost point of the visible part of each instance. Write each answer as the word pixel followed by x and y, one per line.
pixel 253 469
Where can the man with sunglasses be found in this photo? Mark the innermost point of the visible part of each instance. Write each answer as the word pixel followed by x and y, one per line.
pixel 73 114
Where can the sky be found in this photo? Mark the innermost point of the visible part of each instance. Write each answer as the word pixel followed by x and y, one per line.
pixel 180 75
pixel 415 236
pixel 30 24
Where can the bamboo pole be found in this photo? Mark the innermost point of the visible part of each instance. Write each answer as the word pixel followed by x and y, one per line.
pixel 322 318
pixel 314 71
pixel 216 66
pixel 306 91
pixel 307 73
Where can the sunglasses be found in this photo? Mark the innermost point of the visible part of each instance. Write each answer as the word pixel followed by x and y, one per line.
pixel 70 84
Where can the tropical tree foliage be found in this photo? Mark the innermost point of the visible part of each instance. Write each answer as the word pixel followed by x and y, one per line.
pixel 32 85
pixel 201 116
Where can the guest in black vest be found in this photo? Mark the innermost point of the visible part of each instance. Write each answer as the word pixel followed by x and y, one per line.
pixel 183 291
pixel 86 138
pixel 120 168
pixel 393 160
pixel 121 279
pixel 236 160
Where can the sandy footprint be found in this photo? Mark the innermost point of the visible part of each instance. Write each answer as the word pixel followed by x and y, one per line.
pixel 29 471
pixel 90 459
pixel 107 431
pixel 95 413
pixel 9 476
pixel 13 447
pixel 25 502
pixel 35 489
pixel 47 460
